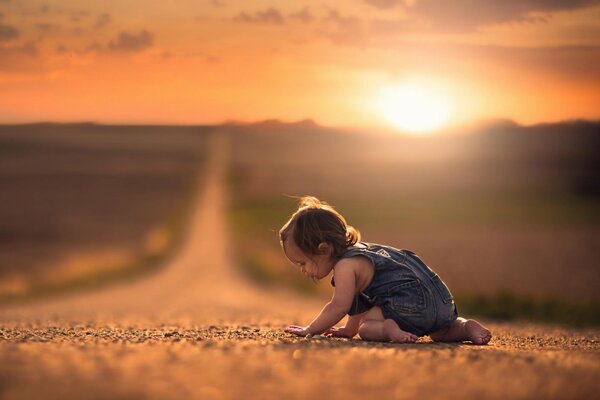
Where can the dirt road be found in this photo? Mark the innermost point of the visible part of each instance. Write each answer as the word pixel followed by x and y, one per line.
pixel 197 329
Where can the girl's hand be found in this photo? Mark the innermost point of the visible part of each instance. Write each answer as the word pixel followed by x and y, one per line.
pixel 340 332
pixel 297 330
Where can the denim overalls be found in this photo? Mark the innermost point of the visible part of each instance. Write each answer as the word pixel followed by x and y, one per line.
pixel 405 289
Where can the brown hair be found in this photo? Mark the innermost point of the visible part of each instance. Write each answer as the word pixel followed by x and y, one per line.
pixel 317 222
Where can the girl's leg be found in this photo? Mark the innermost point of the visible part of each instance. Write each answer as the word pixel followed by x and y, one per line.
pixel 463 329
pixel 375 327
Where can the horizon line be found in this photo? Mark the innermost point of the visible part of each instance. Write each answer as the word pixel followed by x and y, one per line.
pixel 475 124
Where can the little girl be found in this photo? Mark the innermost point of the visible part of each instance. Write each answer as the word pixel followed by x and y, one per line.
pixel 390 295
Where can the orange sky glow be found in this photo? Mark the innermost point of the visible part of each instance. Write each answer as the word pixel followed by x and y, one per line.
pixel 341 63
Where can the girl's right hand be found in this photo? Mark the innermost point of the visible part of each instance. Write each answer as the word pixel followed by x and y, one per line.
pixel 340 332
pixel 297 330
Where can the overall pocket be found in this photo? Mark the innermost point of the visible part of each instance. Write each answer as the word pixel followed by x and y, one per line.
pixel 407 297
pixel 441 288
pixel 436 281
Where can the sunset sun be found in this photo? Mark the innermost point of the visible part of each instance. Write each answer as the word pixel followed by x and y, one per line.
pixel 413 108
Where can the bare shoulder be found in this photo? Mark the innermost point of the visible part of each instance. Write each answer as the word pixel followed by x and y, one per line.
pixel 355 264
pixel 358 268
pixel 353 261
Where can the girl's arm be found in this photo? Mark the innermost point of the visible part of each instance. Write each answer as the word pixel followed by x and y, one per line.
pixel 350 329
pixel 337 308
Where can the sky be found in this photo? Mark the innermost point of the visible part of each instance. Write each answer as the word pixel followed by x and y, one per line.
pixel 413 64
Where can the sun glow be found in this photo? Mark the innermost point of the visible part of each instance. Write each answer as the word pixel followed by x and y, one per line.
pixel 413 108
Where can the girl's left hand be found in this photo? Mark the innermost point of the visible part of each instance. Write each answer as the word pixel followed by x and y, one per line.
pixel 297 330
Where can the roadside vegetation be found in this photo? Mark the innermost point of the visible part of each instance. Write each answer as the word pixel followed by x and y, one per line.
pixel 85 205
pixel 510 219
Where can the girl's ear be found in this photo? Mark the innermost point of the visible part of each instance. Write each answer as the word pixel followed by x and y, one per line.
pixel 324 248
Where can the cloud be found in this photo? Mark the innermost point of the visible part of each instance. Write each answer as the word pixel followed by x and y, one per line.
pixel 20 59
pixel 268 16
pixel 467 15
pixel 384 4
pixel 8 32
pixel 556 64
pixel 102 20
pixel 206 57
pixel 303 15
pixel 43 9
pixel 131 42
pixel 45 27
pixel 569 62
pixel 343 29
pixel 93 47
pixel 77 16
pixel 29 48
pixel 218 3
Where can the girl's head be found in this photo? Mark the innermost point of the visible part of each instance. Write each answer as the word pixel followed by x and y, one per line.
pixel 315 236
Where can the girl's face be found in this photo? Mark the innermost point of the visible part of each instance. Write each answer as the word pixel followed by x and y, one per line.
pixel 317 266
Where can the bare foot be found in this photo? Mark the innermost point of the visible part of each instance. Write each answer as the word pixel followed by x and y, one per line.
pixel 396 334
pixel 476 333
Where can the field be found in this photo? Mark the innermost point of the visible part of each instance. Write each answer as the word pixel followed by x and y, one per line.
pixel 508 216
pixel 198 328
pixel 83 204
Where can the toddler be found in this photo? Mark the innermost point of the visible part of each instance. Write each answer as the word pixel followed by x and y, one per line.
pixel 390 295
